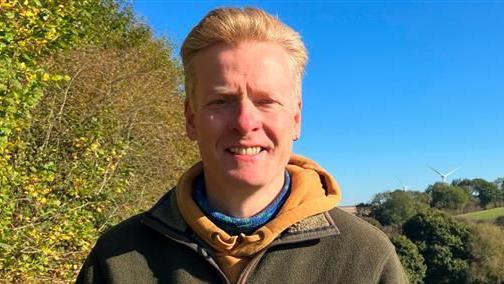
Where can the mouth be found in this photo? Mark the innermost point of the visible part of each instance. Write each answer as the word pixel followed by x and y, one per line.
pixel 246 151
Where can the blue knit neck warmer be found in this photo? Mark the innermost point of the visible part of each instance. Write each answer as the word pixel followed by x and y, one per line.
pixel 235 226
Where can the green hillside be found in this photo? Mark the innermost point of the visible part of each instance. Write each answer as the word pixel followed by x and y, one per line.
pixel 485 215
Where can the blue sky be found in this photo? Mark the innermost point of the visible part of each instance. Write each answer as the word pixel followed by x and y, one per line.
pixel 391 87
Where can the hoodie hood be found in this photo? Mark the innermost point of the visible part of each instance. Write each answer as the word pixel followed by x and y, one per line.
pixel 313 191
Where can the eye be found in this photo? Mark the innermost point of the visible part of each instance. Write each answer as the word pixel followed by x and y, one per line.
pixel 217 102
pixel 265 102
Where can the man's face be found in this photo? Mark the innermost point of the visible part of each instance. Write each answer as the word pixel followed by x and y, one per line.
pixel 245 113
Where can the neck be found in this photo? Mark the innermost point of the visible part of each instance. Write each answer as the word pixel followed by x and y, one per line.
pixel 242 201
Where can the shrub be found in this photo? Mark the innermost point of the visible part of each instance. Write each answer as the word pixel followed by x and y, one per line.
pixel 443 243
pixel 91 120
pixel 499 221
pixel 411 259
pixel 487 247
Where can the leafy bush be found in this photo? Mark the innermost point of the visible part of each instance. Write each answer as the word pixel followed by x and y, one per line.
pixel 443 243
pixel 487 192
pixel 499 221
pixel 91 120
pixel 445 196
pixel 487 248
pixel 411 259
pixel 396 207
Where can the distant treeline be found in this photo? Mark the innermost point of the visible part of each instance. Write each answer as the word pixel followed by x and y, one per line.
pixel 433 245
pixel 91 130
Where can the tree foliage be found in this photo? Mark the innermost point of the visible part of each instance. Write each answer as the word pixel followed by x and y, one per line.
pixel 499 182
pixel 486 192
pixel 32 30
pixel 396 207
pixel 411 259
pixel 445 196
pixel 450 251
pixel 91 121
pixel 443 243
pixel 466 184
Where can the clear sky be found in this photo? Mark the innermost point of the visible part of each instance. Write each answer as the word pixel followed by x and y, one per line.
pixel 391 87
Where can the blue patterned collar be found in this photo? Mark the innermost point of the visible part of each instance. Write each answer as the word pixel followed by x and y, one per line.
pixel 233 225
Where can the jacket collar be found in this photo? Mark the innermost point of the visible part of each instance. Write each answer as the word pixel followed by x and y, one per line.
pixel 165 218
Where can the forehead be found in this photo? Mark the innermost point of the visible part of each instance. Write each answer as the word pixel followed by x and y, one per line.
pixel 257 64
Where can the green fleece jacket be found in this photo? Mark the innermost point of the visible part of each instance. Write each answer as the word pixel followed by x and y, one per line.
pixel 158 247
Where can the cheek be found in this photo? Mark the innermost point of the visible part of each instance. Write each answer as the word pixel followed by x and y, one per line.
pixel 205 117
pixel 209 125
pixel 280 127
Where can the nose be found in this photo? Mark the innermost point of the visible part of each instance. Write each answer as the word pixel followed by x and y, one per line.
pixel 246 118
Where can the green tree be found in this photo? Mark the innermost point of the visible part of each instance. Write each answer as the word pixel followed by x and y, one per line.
pixel 488 192
pixel 30 31
pixel 394 208
pixel 443 243
pixel 91 121
pixel 466 184
pixel 446 196
pixel 411 259
pixel 500 183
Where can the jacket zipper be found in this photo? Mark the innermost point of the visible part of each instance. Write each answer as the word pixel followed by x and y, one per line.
pixel 183 240
pixel 251 266
pixel 253 263
pixel 160 227
pixel 255 260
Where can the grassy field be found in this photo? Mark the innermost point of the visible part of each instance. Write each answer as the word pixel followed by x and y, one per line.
pixel 485 215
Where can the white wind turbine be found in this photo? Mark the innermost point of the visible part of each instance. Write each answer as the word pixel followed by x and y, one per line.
pixel 403 186
pixel 442 175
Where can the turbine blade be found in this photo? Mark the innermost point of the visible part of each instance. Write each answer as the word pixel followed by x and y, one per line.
pixel 400 181
pixel 439 173
pixel 452 171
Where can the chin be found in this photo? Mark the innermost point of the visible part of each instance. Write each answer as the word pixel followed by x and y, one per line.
pixel 247 179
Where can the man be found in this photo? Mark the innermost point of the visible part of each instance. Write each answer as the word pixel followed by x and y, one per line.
pixel 251 211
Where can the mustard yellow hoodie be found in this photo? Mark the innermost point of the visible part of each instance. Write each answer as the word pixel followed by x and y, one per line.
pixel 313 191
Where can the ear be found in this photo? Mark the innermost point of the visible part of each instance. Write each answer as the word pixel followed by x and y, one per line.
pixel 297 119
pixel 189 119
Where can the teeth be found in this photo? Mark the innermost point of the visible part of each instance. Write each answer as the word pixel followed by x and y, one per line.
pixel 245 150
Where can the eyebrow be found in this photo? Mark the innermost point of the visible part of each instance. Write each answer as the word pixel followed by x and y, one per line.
pixel 230 91
pixel 224 90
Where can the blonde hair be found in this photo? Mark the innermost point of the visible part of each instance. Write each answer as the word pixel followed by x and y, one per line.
pixel 234 25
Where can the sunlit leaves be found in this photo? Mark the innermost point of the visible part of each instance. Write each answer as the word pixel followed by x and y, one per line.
pixel 60 166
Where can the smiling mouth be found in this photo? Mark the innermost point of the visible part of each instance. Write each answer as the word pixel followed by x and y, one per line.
pixel 247 151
